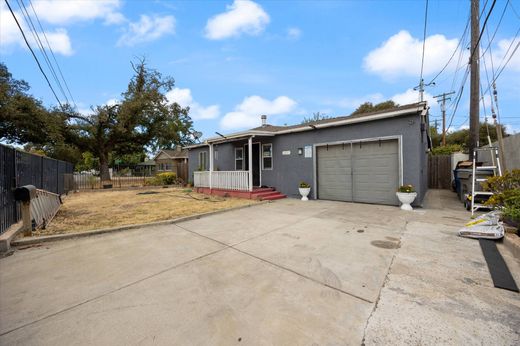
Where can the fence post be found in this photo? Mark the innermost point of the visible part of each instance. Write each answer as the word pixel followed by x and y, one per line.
pixel 57 176
pixel 41 172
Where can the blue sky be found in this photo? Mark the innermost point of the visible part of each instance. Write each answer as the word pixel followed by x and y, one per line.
pixel 234 60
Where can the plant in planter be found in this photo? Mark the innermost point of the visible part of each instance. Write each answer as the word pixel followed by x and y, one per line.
pixel 406 195
pixel 305 189
pixel 506 189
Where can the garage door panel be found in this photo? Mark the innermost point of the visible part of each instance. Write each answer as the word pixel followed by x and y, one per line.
pixel 334 173
pixel 376 172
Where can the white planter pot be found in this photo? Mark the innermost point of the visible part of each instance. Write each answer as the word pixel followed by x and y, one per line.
pixel 304 191
pixel 406 199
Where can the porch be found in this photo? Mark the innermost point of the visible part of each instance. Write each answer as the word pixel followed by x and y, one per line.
pixel 244 175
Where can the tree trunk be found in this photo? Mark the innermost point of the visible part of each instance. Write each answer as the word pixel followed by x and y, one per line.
pixel 103 167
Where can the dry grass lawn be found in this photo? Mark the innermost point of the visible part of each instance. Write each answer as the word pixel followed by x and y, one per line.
pixel 85 211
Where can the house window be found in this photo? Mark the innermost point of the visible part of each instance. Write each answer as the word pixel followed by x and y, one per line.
pixel 267 156
pixel 239 159
pixel 203 161
pixel 168 167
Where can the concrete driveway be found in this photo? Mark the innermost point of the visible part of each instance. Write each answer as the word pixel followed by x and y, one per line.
pixel 286 272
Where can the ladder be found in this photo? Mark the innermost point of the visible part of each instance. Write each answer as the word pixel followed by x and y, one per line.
pixel 475 180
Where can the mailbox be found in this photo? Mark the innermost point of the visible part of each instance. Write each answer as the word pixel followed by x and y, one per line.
pixel 25 193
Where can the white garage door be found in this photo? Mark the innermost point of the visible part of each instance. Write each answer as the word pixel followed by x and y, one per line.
pixel 362 172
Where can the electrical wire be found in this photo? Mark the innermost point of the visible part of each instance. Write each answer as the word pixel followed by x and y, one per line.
pixel 496 29
pixel 459 96
pixel 454 52
pixel 40 46
pixel 482 30
pixel 424 41
pixel 33 54
pixel 53 56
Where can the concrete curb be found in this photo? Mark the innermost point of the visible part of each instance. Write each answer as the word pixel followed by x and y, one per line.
pixel 58 237
pixel 7 236
pixel 512 243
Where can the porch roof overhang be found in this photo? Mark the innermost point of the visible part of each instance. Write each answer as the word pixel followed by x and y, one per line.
pixel 231 138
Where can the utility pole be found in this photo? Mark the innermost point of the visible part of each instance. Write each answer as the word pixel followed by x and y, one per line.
pixel 474 116
pixel 420 87
pixel 442 100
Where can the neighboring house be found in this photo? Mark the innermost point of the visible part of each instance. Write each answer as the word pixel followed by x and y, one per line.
pixel 175 161
pixel 146 168
pixel 360 158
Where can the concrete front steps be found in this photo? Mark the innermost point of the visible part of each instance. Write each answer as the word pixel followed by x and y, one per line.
pixel 261 193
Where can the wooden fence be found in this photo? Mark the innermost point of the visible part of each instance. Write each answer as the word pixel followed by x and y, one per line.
pixel 439 171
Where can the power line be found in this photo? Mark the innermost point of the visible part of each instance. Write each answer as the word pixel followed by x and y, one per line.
pixel 482 30
pixel 32 52
pixel 454 52
pixel 459 96
pixel 494 33
pixel 40 46
pixel 424 38
pixel 52 53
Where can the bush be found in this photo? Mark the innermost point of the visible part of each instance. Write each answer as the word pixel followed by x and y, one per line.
pixel 506 191
pixel 447 150
pixel 166 178
pixel 304 185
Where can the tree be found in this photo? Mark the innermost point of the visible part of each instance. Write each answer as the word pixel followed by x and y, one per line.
pixel 23 118
pixel 461 137
pixel 368 107
pixel 316 116
pixel 143 119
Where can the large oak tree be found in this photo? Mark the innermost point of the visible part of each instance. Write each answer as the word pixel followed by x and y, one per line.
pixel 144 119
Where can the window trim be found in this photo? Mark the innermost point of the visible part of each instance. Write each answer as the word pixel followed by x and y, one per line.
pixel 267 157
pixel 242 159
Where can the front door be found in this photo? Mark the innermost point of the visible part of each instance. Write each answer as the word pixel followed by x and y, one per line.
pixel 256 162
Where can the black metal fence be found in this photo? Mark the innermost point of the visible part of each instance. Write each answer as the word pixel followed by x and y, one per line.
pixel 88 181
pixel 18 168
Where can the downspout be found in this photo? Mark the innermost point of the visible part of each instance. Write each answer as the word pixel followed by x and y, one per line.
pixel 210 167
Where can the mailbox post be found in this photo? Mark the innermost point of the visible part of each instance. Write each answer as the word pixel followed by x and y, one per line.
pixel 25 194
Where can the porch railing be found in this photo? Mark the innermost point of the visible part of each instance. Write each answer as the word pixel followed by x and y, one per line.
pixel 229 180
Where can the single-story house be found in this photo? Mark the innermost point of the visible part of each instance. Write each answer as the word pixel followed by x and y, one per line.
pixel 175 161
pixel 358 158
pixel 146 168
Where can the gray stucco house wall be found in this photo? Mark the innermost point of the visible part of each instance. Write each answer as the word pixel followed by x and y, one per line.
pixel 288 170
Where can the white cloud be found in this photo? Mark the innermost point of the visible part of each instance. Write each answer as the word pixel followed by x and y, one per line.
pixel 65 12
pixel 401 55
pixel 500 52
pixel 112 102
pixel 147 29
pixel 248 112
pixel 197 111
pixel 294 33
pixel 412 96
pixel 10 34
pixel 242 17
pixel 354 102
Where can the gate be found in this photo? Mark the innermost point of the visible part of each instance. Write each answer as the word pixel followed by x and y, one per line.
pixel 439 172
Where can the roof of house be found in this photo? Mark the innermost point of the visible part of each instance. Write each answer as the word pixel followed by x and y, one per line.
pixel 147 163
pixel 173 154
pixel 272 130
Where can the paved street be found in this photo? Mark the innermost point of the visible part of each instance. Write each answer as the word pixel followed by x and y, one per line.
pixel 287 272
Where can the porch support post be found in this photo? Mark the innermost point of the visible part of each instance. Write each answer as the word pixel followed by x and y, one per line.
pixel 210 166
pixel 250 159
